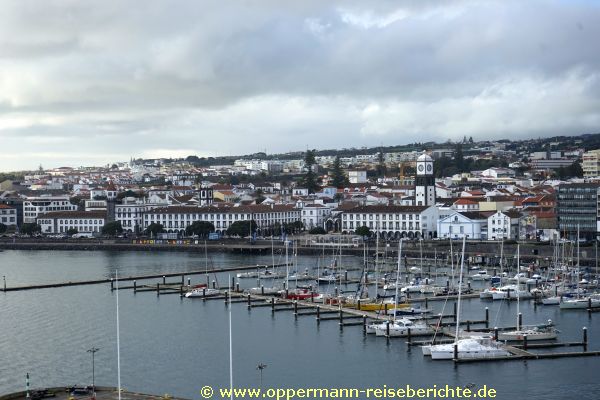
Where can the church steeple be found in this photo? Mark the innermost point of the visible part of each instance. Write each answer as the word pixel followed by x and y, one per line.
pixel 425 181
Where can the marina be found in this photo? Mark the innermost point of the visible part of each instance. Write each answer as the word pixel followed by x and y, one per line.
pixel 331 323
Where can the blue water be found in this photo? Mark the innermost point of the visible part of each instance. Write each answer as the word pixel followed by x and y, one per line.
pixel 176 346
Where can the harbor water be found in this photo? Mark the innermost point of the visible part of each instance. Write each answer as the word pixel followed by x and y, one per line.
pixel 176 345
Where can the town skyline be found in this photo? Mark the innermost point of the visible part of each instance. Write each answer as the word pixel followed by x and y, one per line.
pixel 424 146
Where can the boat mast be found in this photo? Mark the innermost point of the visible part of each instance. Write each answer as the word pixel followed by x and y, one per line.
pixel 118 337
pixel 287 267
pixel 230 351
pixel 397 277
pixel 377 264
pixel 518 285
pixel 460 278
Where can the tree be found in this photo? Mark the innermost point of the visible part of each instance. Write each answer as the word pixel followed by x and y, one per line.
pixel 309 180
pixel 76 201
pixel 200 228
pixel 128 193
pixel 30 229
pixel 72 231
pixel 259 196
pixel 154 229
pixel 3 228
pixel 363 231
pixel 381 168
pixel 575 170
pixel 242 228
pixel 317 230
pixel 293 227
pixel 112 228
pixel 339 178
pixel 459 158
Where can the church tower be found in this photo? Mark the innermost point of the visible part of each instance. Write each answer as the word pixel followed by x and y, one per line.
pixel 424 181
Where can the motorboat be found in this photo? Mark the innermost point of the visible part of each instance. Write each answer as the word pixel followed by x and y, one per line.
pixel 202 292
pixel 487 294
pixel 481 275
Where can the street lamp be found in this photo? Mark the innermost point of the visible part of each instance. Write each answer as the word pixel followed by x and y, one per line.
pixel 93 350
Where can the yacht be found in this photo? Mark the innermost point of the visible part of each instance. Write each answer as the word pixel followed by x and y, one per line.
pixel 400 327
pixel 539 332
pixel 481 275
pixel 469 348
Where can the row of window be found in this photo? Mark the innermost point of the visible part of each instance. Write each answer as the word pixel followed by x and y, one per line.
pixel 381 216
pixel 383 226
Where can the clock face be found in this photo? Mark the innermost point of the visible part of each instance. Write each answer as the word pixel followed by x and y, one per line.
pixel 421 168
pixel 429 167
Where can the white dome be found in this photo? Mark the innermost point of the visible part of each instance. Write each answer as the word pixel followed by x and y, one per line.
pixel 424 157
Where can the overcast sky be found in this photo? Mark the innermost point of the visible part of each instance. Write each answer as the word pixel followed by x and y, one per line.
pixel 87 83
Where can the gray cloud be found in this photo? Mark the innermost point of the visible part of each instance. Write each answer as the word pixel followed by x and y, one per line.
pixel 233 77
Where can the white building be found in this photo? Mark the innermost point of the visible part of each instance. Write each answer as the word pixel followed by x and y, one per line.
pixel 130 213
pixel 393 221
pixel 8 215
pixel 503 225
pixel 357 176
pixel 35 206
pixel 315 215
pixel 62 221
pixel 457 225
pixel 175 219
pixel 591 163
pixel 498 173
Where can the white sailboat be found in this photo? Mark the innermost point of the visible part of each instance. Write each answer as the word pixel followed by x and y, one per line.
pixel 539 332
pixel 476 348
pixel 203 290
pixel 401 327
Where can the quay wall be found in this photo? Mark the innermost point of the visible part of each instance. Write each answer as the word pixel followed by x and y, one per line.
pixel 488 252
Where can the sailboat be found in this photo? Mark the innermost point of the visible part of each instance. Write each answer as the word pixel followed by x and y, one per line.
pixel 203 290
pixel 469 347
pixel 579 302
pixel 401 327
pixel 269 290
pixel 536 332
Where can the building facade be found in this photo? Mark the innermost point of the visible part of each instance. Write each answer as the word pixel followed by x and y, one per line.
pixel 577 210
pixel 472 225
pixel 393 222
pixel 315 215
pixel 33 207
pixel 503 225
pixel 175 219
pixel 8 215
pixel 591 164
pixel 61 221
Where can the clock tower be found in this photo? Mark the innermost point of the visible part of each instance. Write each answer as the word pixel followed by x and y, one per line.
pixel 425 181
